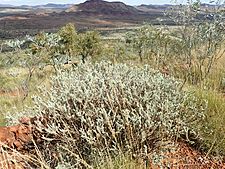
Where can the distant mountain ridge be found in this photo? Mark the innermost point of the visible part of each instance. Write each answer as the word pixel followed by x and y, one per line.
pixel 101 6
pixel 151 8
pixel 52 5
pixel 49 5
pixel 164 7
pixel 6 6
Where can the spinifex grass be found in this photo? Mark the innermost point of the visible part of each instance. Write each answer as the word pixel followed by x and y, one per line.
pixel 213 131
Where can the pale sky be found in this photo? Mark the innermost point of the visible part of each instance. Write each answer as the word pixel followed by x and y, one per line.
pixel 37 2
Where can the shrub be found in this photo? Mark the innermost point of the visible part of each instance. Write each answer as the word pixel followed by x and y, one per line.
pixel 102 110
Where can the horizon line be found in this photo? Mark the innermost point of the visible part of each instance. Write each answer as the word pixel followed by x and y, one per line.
pixel 37 4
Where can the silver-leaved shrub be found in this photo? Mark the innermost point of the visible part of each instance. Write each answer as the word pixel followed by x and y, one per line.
pixel 101 110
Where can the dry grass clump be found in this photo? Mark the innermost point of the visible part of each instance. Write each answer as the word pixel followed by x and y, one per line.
pixel 98 111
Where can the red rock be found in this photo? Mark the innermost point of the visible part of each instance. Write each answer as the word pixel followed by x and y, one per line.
pixel 16 136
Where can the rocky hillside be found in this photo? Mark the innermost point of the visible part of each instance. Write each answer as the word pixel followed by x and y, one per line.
pixel 104 7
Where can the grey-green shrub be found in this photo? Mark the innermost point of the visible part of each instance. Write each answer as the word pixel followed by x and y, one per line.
pixel 99 110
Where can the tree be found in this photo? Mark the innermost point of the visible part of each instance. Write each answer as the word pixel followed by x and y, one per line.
pixel 69 40
pixel 139 40
pixel 89 44
pixel 201 33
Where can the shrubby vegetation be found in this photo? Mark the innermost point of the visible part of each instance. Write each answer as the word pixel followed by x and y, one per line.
pixel 188 51
pixel 99 111
pixel 45 49
pixel 55 49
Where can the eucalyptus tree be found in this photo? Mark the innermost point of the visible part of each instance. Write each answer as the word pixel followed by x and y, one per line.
pixel 201 32
pixel 89 45
pixel 140 40
pixel 69 40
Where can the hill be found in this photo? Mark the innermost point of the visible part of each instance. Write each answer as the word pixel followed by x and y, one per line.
pixel 104 7
pixel 52 5
pixel 93 14
pixel 153 8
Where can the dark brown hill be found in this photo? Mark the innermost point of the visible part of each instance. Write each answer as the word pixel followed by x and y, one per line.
pixel 104 8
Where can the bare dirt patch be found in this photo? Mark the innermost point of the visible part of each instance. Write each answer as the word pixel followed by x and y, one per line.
pixel 13 18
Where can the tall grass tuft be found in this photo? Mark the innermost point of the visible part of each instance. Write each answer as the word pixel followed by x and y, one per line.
pixel 212 131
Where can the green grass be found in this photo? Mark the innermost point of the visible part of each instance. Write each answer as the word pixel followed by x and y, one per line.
pixel 8 82
pixel 11 94
pixel 9 104
pixel 122 162
pixel 213 128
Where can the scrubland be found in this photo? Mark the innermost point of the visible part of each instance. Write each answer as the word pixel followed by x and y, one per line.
pixel 119 101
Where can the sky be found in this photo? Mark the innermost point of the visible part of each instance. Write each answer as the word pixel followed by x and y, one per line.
pixel 37 2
